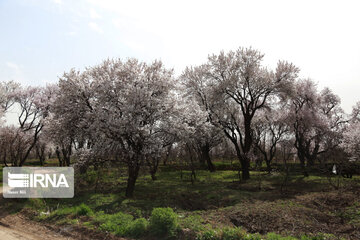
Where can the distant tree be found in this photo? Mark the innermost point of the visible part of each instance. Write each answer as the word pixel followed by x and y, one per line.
pixel 270 128
pixel 7 96
pixel 13 144
pixel 355 115
pixel 198 87
pixel 34 105
pixel 351 140
pixel 241 87
pixel 68 124
pixel 41 148
pixel 316 120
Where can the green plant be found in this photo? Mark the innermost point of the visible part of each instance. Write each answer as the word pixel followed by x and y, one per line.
pixel 163 221
pixel 209 234
pixel 84 210
pixel 320 236
pixel 89 225
pixel 232 233
pixel 62 212
pixel 274 236
pixel 115 223
pixel 194 222
pixel 134 211
pixel 137 228
pixel 252 237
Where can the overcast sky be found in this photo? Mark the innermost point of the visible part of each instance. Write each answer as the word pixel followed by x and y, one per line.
pixel 40 39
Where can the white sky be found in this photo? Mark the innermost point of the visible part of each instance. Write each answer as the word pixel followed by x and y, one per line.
pixel 45 38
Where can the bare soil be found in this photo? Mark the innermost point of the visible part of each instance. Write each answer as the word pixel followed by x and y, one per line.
pixel 320 212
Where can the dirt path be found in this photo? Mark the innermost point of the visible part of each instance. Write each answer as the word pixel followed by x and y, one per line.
pixel 16 227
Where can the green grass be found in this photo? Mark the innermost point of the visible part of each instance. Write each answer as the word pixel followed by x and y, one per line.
pixel 195 205
pixel 210 190
pixel 237 233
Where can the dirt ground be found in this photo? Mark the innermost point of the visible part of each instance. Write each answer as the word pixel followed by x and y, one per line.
pixel 320 212
pixel 17 227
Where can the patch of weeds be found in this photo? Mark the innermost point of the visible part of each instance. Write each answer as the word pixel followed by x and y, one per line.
pixel 274 236
pixel 255 236
pixel 351 214
pixel 193 222
pixel 67 212
pixel 89 177
pixel 137 228
pixel 209 234
pixel 67 221
pixel 84 210
pixel 89 225
pixel 121 224
pixel 134 211
pixel 320 236
pixel 114 223
pixel 238 233
pixel 163 221
pixel 232 233
pixel 63 212
pixel 36 203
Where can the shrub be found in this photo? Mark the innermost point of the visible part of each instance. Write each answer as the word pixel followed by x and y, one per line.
pixel 232 233
pixel 116 223
pixel 136 212
pixel 252 237
pixel 137 228
pixel 84 210
pixel 163 221
pixel 89 225
pixel 209 235
pixel 193 222
pixel 60 213
pixel 274 236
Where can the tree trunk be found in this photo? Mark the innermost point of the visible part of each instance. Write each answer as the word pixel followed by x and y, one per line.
pixel 244 164
pixel 246 149
pixel 192 176
pixel 59 157
pixel 35 139
pixel 167 155
pixel 268 166
pixel 153 177
pixel 153 164
pixel 42 160
pixel 311 158
pixel 302 163
pixel 245 169
pixel 23 159
pixel 4 159
pixel 67 160
pixel 201 157
pixel 205 155
pixel 66 151
pixel 310 161
pixel 133 171
pixel 40 152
